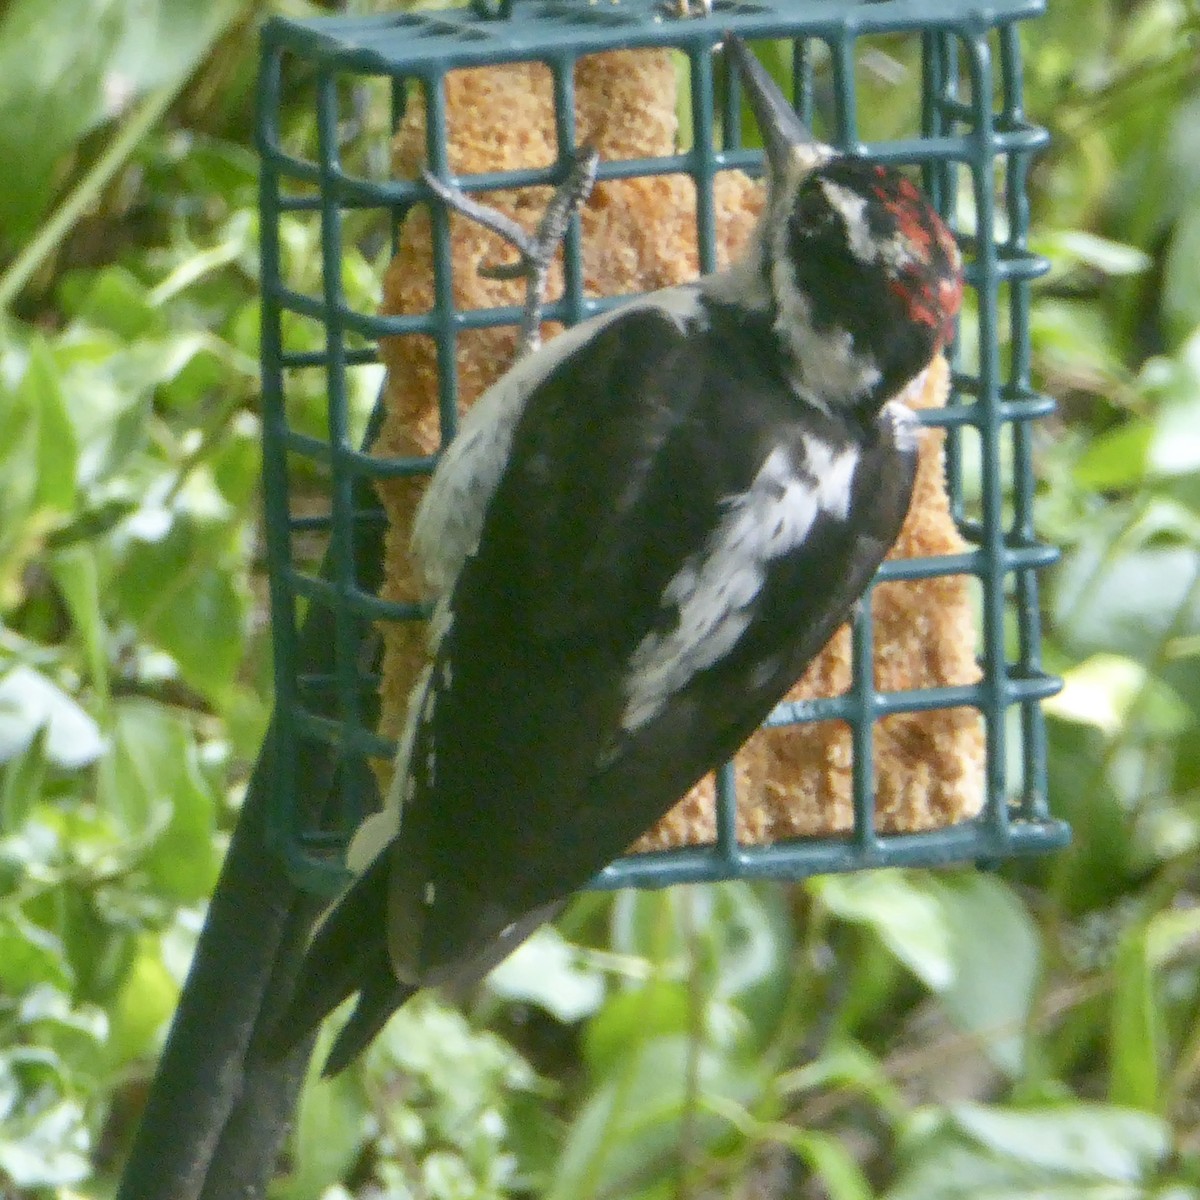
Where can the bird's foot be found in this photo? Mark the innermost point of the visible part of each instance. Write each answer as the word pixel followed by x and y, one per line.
pixel 689 8
pixel 535 251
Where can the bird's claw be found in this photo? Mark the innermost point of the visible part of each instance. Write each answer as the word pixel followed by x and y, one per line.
pixel 535 251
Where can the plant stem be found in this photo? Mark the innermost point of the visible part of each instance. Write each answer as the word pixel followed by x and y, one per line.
pixel 143 118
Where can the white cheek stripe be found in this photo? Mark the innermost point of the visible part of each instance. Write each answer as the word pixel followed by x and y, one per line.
pixel 853 210
pixel 714 591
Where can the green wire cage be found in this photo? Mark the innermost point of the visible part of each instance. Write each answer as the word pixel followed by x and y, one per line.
pixel 973 146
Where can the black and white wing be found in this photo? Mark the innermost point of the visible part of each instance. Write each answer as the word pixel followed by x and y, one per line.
pixel 674 536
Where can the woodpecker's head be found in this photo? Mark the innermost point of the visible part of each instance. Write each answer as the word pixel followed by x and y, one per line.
pixel 864 276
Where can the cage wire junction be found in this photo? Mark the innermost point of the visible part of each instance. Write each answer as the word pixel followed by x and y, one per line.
pixel 972 145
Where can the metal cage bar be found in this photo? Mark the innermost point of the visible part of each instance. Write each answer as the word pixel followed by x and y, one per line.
pixel 971 120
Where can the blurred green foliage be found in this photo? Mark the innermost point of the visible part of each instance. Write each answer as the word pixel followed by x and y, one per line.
pixel 902 1036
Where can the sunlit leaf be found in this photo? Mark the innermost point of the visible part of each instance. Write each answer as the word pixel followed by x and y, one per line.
pixel 29 702
pixel 93 58
pixel 1083 248
pixel 546 971
pixel 48 1146
pixel 40 118
pixel 1102 689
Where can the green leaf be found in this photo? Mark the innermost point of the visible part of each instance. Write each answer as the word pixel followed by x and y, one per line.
pixel 77 577
pixel 739 936
pixel 1134 1040
pixel 178 583
pixel 21 783
pixel 74 1032
pixel 1170 933
pixel 332 1124
pixel 1117 459
pixel 29 954
pixel 841 1176
pixel 1075 339
pixel 1116 599
pixel 41 115
pixel 163 40
pixel 143 1006
pixel 151 782
pixel 900 910
pixel 93 58
pixel 655 1009
pixel 627 1134
pixel 109 404
pixel 112 298
pixel 995 950
pixel 831 1162
pixel 237 462
pixel 202 629
pixel 1181 288
pixel 951 931
pixel 57 452
pixel 1102 690
pixel 1076 1152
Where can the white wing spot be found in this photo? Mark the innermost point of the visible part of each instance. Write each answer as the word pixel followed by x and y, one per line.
pixel 430 894
pixel 713 591
pixel 834 474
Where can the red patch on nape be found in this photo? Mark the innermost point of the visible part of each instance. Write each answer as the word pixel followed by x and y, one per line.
pixel 910 214
pixel 919 302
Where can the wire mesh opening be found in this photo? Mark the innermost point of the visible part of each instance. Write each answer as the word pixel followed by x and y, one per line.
pixel 935 88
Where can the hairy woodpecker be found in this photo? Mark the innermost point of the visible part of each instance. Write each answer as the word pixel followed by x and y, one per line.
pixel 639 539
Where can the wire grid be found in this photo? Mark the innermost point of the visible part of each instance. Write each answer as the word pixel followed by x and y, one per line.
pixel 971 121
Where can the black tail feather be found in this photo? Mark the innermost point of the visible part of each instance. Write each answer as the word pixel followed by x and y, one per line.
pixel 348 954
pixel 379 996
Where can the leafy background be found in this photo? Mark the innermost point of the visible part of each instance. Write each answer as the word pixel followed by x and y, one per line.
pixel 899 1035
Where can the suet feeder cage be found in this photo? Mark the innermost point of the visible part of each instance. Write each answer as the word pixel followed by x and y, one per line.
pixel 933 85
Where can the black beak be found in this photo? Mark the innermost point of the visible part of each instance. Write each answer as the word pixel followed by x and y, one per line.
pixel 785 137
